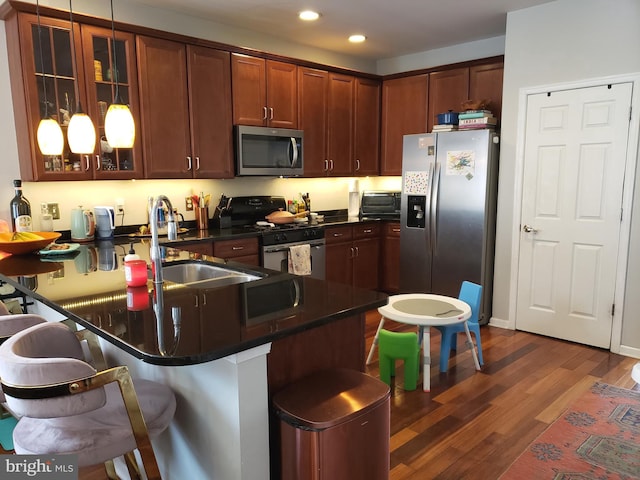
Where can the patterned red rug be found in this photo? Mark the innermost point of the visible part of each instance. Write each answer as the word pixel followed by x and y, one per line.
pixel 596 438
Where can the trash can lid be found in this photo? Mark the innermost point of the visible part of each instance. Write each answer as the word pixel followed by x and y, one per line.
pixel 328 398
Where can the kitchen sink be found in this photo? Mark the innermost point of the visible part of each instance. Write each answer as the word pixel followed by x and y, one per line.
pixel 204 275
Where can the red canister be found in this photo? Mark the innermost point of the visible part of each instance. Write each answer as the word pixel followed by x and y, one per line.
pixel 135 273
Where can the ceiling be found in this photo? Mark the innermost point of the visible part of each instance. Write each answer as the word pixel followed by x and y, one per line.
pixel 393 27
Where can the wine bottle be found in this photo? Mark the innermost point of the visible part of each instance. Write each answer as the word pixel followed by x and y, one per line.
pixel 20 210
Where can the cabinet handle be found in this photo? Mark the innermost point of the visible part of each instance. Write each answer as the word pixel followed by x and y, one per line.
pixel 264 116
pixel 336 235
pixel 87 163
pixel 357 165
pixel 357 251
pixel 395 230
pixel 326 165
pixel 98 162
pixel 367 230
pixel 271 113
pixel 197 163
pixel 237 248
pixel 353 252
pixel 189 163
pixel 204 299
pixel 331 164
pixel 196 301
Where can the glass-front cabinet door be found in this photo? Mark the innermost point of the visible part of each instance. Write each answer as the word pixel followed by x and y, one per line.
pixel 109 71
pixel 50 90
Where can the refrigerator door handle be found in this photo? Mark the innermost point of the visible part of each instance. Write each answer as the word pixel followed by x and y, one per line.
pixel 433 212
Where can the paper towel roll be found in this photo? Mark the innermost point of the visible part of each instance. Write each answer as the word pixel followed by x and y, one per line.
pixel 354 185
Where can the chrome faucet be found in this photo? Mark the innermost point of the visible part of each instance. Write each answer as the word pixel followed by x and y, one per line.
pixel 172 234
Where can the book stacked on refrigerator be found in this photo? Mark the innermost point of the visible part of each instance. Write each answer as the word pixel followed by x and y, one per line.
pixel 444 128
pixel 476 119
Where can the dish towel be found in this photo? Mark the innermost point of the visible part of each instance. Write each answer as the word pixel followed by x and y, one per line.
pixel 300 259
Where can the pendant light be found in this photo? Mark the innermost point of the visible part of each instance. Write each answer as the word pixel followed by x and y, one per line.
pixel 81 134
pixel 49 135
pixel 119 126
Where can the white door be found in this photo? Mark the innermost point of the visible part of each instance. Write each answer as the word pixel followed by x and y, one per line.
pixel 574 163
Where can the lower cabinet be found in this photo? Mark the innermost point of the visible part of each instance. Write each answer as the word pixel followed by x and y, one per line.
pixel 390 277
pixel 243 250
pixel 353 255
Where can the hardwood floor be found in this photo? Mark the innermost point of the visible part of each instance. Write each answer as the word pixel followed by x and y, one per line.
pixel 472 425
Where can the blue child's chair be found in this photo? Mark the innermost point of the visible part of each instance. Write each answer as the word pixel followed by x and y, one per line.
pixel 471 294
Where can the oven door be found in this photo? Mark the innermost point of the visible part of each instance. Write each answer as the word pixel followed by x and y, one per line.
pixel 276 257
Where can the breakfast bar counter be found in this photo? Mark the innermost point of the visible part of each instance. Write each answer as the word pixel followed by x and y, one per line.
pixel 225 350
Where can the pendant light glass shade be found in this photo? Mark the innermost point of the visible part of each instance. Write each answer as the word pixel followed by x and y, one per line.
pixel 50 139
pixel 119 126
pixel 81 134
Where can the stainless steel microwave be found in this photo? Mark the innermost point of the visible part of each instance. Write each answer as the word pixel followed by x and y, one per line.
pixel 268 151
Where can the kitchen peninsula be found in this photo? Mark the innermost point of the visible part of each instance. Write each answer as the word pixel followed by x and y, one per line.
pixel 224 350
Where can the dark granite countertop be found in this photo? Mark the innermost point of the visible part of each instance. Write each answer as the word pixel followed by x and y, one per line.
pixel 198 323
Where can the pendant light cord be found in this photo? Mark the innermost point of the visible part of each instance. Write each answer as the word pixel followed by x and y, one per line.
pixel 75 61
pixel 114 69
pixel 44 80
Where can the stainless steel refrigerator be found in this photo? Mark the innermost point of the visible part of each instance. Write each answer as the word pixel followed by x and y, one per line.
pixel 447 235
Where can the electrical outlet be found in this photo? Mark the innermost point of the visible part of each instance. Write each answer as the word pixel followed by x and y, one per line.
pixel 188 203
pixel 54 210
pixel 119 208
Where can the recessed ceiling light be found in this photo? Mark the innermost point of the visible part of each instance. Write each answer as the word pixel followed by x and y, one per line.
pixel 357 38
pixel 308 15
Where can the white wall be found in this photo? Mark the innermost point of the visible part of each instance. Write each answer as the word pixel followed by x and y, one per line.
pixel 562 41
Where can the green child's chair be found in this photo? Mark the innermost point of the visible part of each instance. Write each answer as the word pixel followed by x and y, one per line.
pixel 394 346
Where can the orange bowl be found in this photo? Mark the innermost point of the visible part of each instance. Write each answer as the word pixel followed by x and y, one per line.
pixel 20 247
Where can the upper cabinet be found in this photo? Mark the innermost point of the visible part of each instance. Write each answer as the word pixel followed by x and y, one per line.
pixel 44 82
pixel 404 111
pixel 264 92
pixel 102 79
pixel 367 127
pixel 187 133
pixel 449 88
pixel 339 115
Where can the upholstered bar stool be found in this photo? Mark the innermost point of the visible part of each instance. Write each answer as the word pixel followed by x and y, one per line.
pixel 67 407
pixel 10 325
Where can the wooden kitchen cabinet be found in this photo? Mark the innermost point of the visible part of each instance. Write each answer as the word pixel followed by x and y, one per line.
pixel 187 134
pixel 32 74
pixel 198 248
pixel 243 250
pixel 340 119
pixel 339 115
pixel 312 116
pixel 367 127
pixel 264 92
pixel 390 275
pixel 353 255
pixel 448 89
pixel 404 111
pixel 485 82
pixel 101 83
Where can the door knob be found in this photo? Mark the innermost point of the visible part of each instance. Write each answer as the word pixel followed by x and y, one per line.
pixel 529 229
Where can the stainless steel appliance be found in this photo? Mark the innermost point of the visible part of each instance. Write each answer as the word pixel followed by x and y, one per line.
pixel 275 250
pixel 447 233
pixel 380 204
pixel 268 151
pixel 248 213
